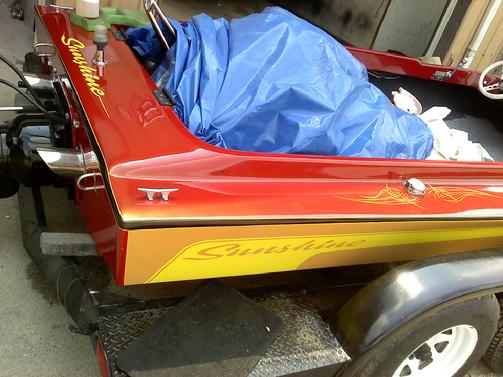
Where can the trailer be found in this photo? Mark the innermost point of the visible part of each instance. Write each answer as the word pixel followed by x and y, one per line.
pixel 233 262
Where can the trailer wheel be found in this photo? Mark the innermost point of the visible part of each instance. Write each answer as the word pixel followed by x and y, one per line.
pixel 445 342
pixel 494 354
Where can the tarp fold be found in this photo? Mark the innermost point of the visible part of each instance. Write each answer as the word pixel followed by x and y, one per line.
pixel 272 82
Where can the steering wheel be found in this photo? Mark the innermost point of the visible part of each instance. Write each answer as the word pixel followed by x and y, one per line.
pixel 484 88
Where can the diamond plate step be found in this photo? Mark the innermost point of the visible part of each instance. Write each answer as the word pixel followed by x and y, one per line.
pixel 305 343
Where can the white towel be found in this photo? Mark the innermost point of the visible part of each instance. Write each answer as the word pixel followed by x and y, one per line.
pixel 451 144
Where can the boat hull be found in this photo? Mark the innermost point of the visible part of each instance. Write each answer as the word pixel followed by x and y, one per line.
pixel 186 253
pixel 236 213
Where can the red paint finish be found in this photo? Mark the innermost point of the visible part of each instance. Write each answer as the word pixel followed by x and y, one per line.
pixel 403 65
pixel 95 207
pixel 144 145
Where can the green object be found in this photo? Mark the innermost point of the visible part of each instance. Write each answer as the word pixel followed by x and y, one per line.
pixel 111 16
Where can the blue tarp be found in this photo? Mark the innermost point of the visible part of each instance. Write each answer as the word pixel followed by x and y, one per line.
pixel 272 82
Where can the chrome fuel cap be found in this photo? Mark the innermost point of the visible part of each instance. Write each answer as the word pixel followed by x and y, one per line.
pixel 415 187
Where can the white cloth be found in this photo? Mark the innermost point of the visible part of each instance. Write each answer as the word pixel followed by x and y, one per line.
pixel 451 144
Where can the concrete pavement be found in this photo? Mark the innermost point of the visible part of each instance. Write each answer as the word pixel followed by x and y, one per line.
pixel 34 336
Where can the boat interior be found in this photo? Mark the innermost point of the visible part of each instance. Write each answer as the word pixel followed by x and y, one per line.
pixel 473 113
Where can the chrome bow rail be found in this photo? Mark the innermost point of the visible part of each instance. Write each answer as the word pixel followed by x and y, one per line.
pixel 153 12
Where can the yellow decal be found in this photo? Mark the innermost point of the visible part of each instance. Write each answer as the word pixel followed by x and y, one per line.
pixel 393 197
pixel 458 194
pixel 217 258
pixel 386 196
pixel 89 73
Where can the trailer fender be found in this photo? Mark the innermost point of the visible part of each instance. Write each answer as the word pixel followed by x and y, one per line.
pixel 403 294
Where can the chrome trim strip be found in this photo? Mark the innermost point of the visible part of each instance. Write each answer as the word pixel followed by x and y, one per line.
pixel 142 223
pixel 61 7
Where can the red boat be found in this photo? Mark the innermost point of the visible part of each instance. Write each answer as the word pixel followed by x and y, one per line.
pixel 143 145
pixel 163 206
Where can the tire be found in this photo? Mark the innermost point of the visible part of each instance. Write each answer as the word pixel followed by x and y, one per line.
pixel 477 317
pixel 494 354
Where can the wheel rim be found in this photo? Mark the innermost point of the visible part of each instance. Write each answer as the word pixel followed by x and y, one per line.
pixel 442 355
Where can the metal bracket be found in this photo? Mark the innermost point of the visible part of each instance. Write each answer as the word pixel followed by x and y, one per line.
pixel 61 7
pixel 444 76
pixel 38 48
